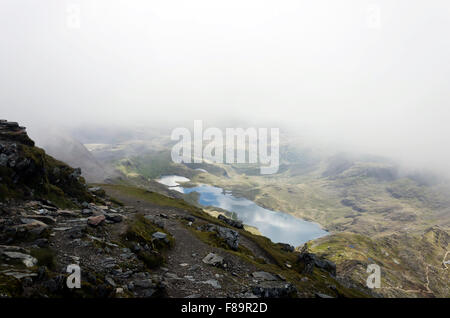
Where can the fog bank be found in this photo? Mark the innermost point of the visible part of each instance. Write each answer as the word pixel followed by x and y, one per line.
pixel 368 76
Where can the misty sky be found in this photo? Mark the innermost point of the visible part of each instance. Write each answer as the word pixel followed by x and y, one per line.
pixel 370 75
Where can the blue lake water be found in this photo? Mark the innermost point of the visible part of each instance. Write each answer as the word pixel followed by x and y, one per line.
pixel 278 226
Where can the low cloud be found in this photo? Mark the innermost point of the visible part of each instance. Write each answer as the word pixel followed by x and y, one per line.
pixel 368 76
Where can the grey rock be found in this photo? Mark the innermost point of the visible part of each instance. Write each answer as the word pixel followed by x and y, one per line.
pixel 77 232
pixel 148 293
pixel 230 236
pixel 320 295
pixel 214 283
pixel 19 274
pixel 159 236
pixel 41 218
pixel 231 222
pixel 309 260
pixel 87 212
pixel 31 226
pixel 286 247
pixel 110 281
pixel 67 213
pixel 171 276
pixel 42 242
pixel 213 259
pixel 114 217
pixel 135 247
pixel 194 267
pixel 27 260
pixel 145 283
pixel 272 289
pixel 264 276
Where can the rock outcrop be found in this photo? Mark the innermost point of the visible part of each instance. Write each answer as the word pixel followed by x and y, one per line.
pixel 231 222
pixel 230 236
pixel 28 172
pixel 308 261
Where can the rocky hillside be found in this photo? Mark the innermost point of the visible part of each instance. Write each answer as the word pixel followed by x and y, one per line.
pixel 412 265
pixel 154 246
pixel 132 242
pixel 27 172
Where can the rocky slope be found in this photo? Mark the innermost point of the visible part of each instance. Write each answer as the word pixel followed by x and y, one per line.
pixel 412 265
pixel 27 172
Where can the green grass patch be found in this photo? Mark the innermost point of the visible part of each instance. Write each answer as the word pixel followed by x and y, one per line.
pixel 140 230
pixel 45 256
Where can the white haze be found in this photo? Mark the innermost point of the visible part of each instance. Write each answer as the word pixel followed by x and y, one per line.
pixel 325 66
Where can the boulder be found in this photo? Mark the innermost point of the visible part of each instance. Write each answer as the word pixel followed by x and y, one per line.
pixel 286 247
pixel 264 276
pixel 272 289
pixel 32 221
pixel 310 260
pixel 214 283
pixel 95 221
pixel 97 191
pixel 42 242
pixel 27 260
pixel 230 236
pixel 144 283
pixel 67 213
pixel 87 212
pixel 77 232
pixel 158 222
pixel 30 228
pixel 159 236
pixel 42 218
pixel 114 217
pixel 231 222
pixel 47 205
pixel 213 259
pixel 320 295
